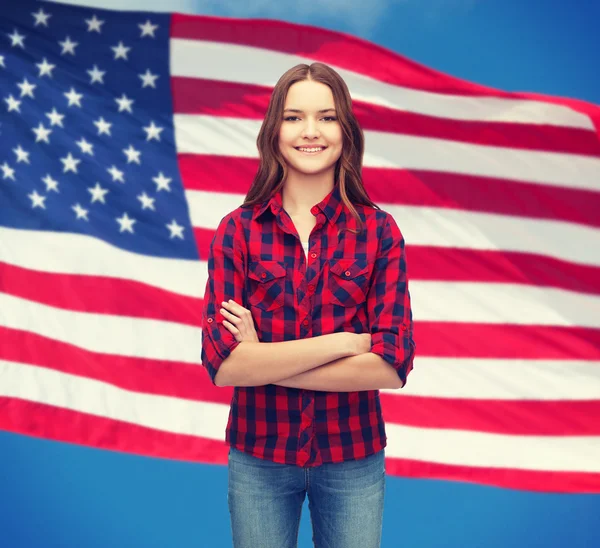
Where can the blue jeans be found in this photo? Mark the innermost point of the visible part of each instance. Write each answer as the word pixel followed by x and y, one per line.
pixel 345 501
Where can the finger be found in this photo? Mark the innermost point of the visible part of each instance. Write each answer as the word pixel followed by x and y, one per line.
pixel 230 316
pixel 233 330
pixel 236 308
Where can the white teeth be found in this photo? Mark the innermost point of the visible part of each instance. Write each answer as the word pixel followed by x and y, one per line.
pixel 310 149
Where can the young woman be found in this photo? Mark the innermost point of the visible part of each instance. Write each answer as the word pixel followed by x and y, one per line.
pixel 307 315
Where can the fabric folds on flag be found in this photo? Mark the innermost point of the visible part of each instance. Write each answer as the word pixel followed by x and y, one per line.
pixel 126 136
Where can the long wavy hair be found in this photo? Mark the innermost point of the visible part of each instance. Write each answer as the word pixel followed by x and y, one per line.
pixel 272 170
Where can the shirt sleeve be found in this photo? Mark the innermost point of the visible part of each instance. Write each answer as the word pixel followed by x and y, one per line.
pixel 388 303
pixel 225 281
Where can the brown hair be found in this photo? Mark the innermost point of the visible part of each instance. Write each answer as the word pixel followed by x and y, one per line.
pixel 272 171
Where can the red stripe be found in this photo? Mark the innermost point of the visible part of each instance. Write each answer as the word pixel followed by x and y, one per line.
pixel 467 265
pixel 553 418
pixel 44 421
pixel 530 480
pixel 247 101
pixel 100 295
pixel 417 188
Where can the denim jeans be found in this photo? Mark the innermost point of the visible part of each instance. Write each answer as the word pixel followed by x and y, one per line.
pixel 345 501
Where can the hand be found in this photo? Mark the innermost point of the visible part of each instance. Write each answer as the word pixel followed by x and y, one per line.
pixel 362 342
pixel 239 321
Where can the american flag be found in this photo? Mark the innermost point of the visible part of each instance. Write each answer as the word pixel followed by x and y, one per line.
pixel 125 137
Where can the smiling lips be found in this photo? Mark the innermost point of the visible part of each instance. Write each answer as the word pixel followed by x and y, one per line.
pixel 310 150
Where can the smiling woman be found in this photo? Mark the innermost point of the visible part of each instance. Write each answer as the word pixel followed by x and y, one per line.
pixel 307 315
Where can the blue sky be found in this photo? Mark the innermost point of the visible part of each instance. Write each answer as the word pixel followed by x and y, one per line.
pixel 540 46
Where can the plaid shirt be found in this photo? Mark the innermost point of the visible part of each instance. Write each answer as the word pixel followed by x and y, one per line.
pixel 346 283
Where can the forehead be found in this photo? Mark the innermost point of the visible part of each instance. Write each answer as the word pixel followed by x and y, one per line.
pixel 308 95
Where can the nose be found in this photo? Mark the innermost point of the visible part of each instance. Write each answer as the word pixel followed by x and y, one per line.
pixel 310 128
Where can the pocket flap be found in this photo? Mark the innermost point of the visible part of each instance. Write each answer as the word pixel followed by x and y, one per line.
pixel 265 271
pixel 348 268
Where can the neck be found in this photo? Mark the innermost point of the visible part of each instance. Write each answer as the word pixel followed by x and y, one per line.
pixel 301 192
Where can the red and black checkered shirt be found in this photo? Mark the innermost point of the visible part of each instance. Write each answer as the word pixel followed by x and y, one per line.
pixel 348 282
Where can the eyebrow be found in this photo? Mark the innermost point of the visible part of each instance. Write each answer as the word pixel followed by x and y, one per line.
pixel 302 112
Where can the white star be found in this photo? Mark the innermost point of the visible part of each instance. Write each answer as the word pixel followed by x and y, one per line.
pixel 68 46
pixel 124 103
pixel 45 68
pixel 50 183
pixel 73 97
pixel 86 148
pixel 153 132
pixel 13 104
pixel 37 200
pixel 175 229
pixel 55 118
pixel 26 88
pixel 2 61
pixel 80 212
pixel 41 133
pixel 162 182
pixel 7 171
pixel 41 18
pixel 116 174
pixel 96 75
pixel 103 126
pixel 148 79
pixel 17 39
pixel 94 24
pixel 70 163
pixel 98 193
pixel 22 155
pixel 126 224
pixel 147 202
pixel 120 51
pixel 132 154
pixel 148 29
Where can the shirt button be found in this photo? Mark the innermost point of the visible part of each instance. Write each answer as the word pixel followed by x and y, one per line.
pixel 311 288
pixel 210 320
pixel 314 210
pixel 313 255
pixel 403 327
pixel 263 275
pixel 305 322
pixel 347 273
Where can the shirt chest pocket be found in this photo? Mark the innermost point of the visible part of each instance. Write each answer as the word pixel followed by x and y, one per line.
pixel 266 284
pixel 348 282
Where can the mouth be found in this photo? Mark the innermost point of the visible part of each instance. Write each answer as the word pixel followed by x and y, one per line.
pixel 310 151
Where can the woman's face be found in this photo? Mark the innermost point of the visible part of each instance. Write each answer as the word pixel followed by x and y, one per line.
pixel 310 128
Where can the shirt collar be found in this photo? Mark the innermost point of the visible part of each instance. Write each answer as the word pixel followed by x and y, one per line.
pixel 331 205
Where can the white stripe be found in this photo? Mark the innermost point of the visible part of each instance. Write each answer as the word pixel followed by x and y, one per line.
pixel 262 67
pixel 502 379
pixel 209 420
pixel 67 253
pixel 104 333
pixel 443 227
pixel 221 136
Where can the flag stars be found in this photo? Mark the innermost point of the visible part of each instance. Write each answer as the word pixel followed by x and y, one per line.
pixel 55 118
pixel 153 131
pixel 73 97
pixel 37 200
pixel 13 104
pixel 45 68
pixel 120 51
pixel 98 193
pixel 80 212
pixel 162 182
pixel 68 46
pixel 103 126
pixel 125 223
pixel 22 155
pixel 147 202
pixel 26 88
pixel 7 172
pixel 96 75
pixel 41 18
pixel 148 79
pixel 86 148
pixel 132 154
pixel 70 163
pixel 17 40
pixel 2 61
pixel 148 29
pixel 94 24
pixel 51 184
pixel 175 230
pixel 124 103
pixel 116 174
pixel 41 133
